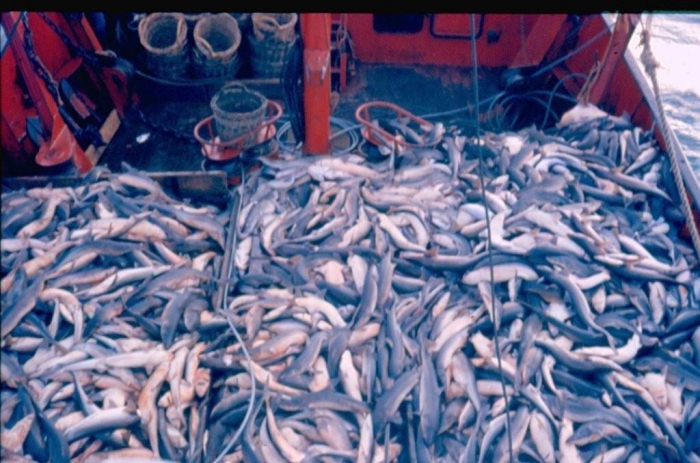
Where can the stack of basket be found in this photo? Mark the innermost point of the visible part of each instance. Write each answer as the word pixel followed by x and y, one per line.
pixel 168 37
pixel 164 37
pixel 271 36
pixel 210 45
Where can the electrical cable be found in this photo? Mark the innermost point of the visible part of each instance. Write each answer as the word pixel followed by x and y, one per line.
pixel 348 128
pixel 551 96
pixel 293 88
pixel 554 63
pixel 520 97
pixel 496 323
pixel 345 126
pixel 422 116
pixel 527 97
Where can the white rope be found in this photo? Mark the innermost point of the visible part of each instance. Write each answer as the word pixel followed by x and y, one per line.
pixel 650 65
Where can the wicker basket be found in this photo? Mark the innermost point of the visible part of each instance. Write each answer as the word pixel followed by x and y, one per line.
pixel 272 35
pixel 238 111
pixel 217 40
pixel 277 26
pixel 267 57
pixel 164 37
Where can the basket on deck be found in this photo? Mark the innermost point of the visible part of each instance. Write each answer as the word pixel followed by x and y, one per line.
pixel 238 111
pixel 217 40
pixel 272 35
pixel 164 37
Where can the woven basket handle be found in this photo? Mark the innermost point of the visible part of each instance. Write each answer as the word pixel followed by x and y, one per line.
pixel 235 85
pixel 204 44
pixel 271 21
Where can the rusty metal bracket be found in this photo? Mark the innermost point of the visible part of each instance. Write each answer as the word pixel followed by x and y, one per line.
pixel 317 65
pixel 595 89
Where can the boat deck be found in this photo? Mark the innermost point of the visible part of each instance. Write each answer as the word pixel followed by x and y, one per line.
pixel 420 90
pixel 424 90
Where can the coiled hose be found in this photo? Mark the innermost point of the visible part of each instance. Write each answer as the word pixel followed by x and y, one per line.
pixel 344 126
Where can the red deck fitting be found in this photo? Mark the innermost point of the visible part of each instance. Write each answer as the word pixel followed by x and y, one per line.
pixel 205 133
pixel 379 136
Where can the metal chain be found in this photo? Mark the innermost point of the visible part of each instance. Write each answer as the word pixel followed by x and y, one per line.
pixel 38 66
pixel 88 56
pixel 135 113
pixel 650 65
pixel 91 134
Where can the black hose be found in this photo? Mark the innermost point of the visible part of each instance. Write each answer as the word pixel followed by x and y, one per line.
pixel 293 88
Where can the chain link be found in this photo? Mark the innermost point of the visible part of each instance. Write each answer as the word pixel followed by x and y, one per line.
pixel 90 134
pixel 38 66
pixel 135 113
pixel 11 34
pixel 86 55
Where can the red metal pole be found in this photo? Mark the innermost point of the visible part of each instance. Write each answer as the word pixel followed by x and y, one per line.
pixel 316 35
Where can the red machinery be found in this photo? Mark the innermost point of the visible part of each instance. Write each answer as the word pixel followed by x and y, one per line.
pixel 63 52
pixel 316 35
pixel 62 94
